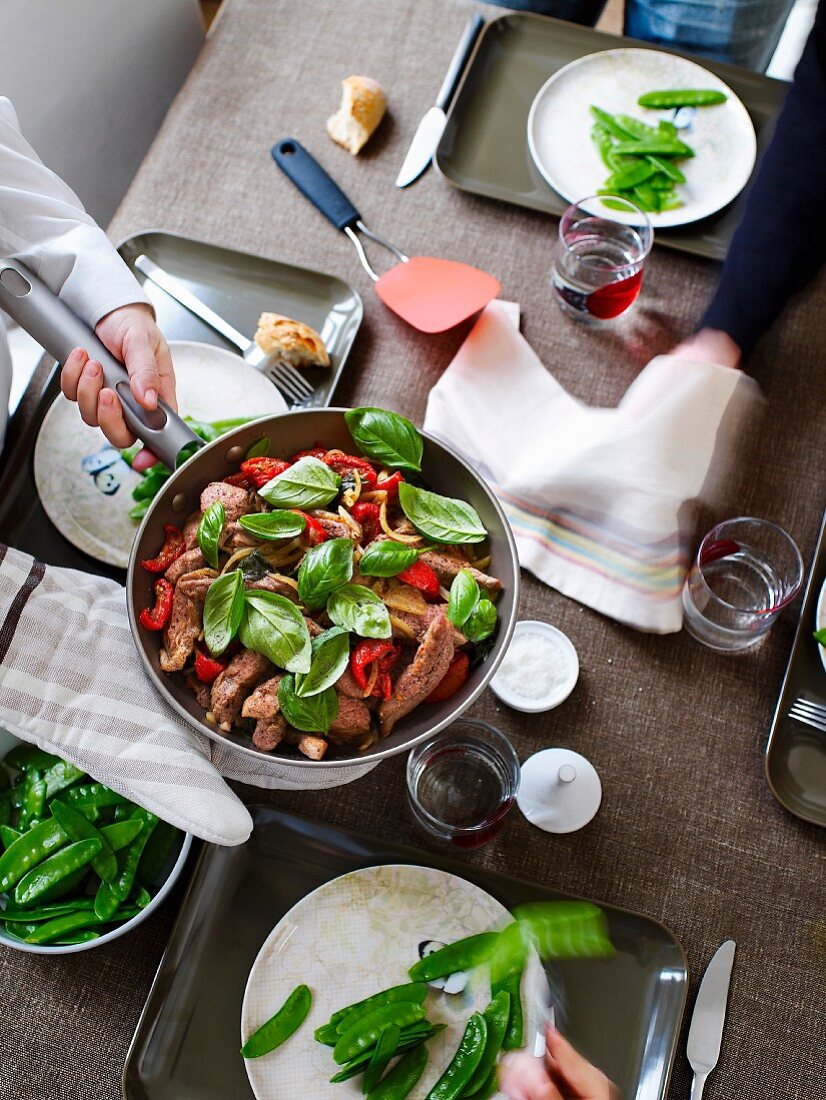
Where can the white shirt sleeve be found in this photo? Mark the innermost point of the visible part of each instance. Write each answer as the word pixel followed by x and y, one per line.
pixel 43 223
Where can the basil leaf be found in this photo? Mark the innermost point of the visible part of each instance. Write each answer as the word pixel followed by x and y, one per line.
pixel 274 626
pixel 443 519
pixel 360 610
pixel 482 621
pixel 323 569
pixel 260 449
pixel 209 532
pixel 274 525
pixel 223 609
pixel 311 715
pixel 331 655
pixel 386 437
pixel 386 558
pixel 464 596
pixel 820 636
pixel 308 483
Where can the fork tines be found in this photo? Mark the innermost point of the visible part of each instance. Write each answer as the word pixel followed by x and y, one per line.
pixel 809 713
pixel 290 381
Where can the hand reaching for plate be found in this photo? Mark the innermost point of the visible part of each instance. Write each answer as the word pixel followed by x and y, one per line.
pixel 710 345
pixel 132 335
pixel 563 1075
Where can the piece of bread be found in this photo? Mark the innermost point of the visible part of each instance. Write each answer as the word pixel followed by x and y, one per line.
pixel 362 107
pixel 291 341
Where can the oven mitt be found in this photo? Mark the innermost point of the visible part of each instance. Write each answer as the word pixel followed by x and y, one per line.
pixel 71 682
pixel 597 497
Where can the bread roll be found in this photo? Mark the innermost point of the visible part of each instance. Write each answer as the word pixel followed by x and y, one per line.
pixel 362 107
pixel 291 341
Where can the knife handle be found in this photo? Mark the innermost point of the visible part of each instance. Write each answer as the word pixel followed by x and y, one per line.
pixel 457 65
pixel 314 183
pixel 697 1086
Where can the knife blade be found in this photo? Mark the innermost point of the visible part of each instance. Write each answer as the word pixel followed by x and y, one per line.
pixel 705 1034
pixel 430 129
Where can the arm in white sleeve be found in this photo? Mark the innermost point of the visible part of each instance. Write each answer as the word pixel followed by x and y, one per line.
pixel 43 223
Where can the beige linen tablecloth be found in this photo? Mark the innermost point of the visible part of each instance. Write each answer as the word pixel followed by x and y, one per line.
pixel 688 831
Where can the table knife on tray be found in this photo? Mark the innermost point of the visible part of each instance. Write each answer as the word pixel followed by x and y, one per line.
pixel 706 1031
pixel 432 125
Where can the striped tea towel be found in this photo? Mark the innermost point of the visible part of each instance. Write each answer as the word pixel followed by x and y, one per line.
pixel 72 683
pixel 594 496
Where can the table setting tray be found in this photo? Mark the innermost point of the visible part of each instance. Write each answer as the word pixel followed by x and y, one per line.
pixel 238 286
pixel 484 148
pixel 624 1012
pixel 795 759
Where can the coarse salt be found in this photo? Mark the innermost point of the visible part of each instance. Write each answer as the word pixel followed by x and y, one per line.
pixel 534 666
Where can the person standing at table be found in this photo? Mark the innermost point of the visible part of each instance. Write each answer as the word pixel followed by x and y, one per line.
pixel 780 243
pixel 43 224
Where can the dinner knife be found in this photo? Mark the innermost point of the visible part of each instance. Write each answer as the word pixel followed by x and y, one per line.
pixel 706 1032
pixel 431 127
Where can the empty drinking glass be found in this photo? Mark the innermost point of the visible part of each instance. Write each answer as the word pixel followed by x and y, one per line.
pixel 604 241
pixel 746 572
pixel 462 783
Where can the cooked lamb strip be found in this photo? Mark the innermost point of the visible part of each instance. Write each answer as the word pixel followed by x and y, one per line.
pixel 236 501
pixel 196 584
pixel 199 689
pixel 232 686
pixel 269 733
pixel 416 682
pixel 181 632
pixel 346 685
pixel 263 703
pixel 352 720
pixel 191 530
pixel 234 537
pixel 313 627
pixel 189 561
pixel 274 583
pixel 419 624
pixel 335 528
pixel 308 744
pixel 446 566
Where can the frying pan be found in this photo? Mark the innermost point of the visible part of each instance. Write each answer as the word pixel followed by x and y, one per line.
pixel 58 330
pixel 431 295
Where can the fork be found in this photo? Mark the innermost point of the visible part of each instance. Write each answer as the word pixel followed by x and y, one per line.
pixel 292 384
pixel 809 713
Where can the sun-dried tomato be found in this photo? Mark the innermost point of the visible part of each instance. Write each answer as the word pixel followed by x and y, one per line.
pixel 382 654
pixel 367 514
pixel 343 464
pixel 421 576
pixel 208 668
pixel 171 550
pixel 261 470
pixel 453 679
pixel 156 618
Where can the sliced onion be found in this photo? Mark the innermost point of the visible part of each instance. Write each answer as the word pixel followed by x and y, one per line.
pixel 397 536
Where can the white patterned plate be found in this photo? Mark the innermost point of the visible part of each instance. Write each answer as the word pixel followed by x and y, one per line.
pixel 820 620
pixel 86 487
pixel 560 121
pixel 351 938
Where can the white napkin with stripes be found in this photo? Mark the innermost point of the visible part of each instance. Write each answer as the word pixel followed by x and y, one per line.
pixel 72 683
pixel 595 496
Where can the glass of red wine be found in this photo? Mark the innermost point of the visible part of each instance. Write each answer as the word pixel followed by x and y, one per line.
pixel 461 783
pixel 604 242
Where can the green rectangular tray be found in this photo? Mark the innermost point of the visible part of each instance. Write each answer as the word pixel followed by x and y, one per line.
pixel 484 149
pixel 624 1013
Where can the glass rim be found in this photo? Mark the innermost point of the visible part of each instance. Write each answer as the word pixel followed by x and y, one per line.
pixel 645 224
pixel 785 536
pixel 509 756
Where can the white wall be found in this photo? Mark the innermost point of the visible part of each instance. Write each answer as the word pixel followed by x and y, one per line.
pixel 91 81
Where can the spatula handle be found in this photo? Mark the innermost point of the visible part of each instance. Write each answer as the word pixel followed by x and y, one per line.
pixel 39 311
pixel 314 183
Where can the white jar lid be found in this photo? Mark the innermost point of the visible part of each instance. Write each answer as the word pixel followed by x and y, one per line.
pixel 561 687
pixel 559 790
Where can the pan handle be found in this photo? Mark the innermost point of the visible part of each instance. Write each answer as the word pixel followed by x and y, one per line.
pixel 314 183
pixel 40 312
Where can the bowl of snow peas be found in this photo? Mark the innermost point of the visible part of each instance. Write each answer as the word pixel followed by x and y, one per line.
pixel 80 865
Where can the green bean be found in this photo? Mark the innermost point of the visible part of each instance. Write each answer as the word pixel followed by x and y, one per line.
pixel 682 97
pixel 461 955
pixel 76 827
pixel 659 146
pixel 366 1031
pixel 281 1026
pixel 463 1065
pixel 52 871
pixel 403 1077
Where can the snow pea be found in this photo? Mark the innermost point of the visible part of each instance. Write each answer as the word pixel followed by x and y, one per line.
pixel 33 800
pixel 365 1032
pixel 402 1078
pixel 4 777
pixel 410 1040
pixel 637 129
pixel 602 139
pixel 489 1087
pixel 497 1015
pixel 65 887
pixel 682 97
pixel 48 912
pixel 610 123
pixel 141 896
pixel 61 775
pixel 413 991
pixel 281 1026
pixel 76 827
pixel 5 807
pixel 461 955
pixel 394 993
pixel 58 927
pixel 24 757
pixel 81 937
pixel 382 1055
pixel 656 146
pixel 9 835
pixel 156 852
pixel 646 198
pixel 463 1065
pixel 514 1032
pixel 668 168
pixel 121 833
pixel 111 894
pixel 52 871
pixel 93 794
pixel 29 850
pixel 629 177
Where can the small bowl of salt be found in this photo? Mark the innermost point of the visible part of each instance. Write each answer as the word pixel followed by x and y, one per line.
pixel 539 669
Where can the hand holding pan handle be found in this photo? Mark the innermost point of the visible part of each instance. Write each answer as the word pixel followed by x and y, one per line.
pixel 40 312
